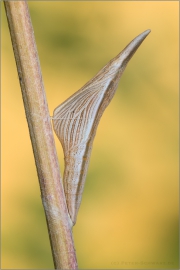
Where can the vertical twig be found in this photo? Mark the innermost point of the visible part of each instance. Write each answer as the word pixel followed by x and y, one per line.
pixel 38 119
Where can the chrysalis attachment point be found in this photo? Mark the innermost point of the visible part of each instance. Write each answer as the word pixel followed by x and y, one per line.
pixel 75 122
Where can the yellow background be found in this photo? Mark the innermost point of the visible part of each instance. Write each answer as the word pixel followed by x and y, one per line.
pixel 129 213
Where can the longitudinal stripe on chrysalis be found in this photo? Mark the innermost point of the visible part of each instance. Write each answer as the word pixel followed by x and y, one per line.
pixel 75 122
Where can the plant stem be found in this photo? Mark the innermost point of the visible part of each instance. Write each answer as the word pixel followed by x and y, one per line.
pixel 37 114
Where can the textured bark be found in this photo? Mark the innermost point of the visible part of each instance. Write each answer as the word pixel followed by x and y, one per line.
pixel 37 114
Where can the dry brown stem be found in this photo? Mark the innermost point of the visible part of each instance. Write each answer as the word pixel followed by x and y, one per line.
pixel 36 108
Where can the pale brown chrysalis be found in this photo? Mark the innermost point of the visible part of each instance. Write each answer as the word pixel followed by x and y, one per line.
pixel 75 122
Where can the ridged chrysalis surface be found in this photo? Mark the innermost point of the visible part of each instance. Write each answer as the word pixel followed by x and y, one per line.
pixel 75 122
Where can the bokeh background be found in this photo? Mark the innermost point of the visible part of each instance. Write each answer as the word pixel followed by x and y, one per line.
pixel 129 213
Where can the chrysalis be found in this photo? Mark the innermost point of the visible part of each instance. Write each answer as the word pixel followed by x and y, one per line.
pixel 75 122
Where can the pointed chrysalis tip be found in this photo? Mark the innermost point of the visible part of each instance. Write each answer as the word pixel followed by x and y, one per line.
pixel 137 40
pixel 126 54
pixel 145 33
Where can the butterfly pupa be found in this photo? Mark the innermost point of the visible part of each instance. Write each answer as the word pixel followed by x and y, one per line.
pixel 75 122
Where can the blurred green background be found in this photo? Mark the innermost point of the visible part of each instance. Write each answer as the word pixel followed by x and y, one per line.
pixel 129 213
